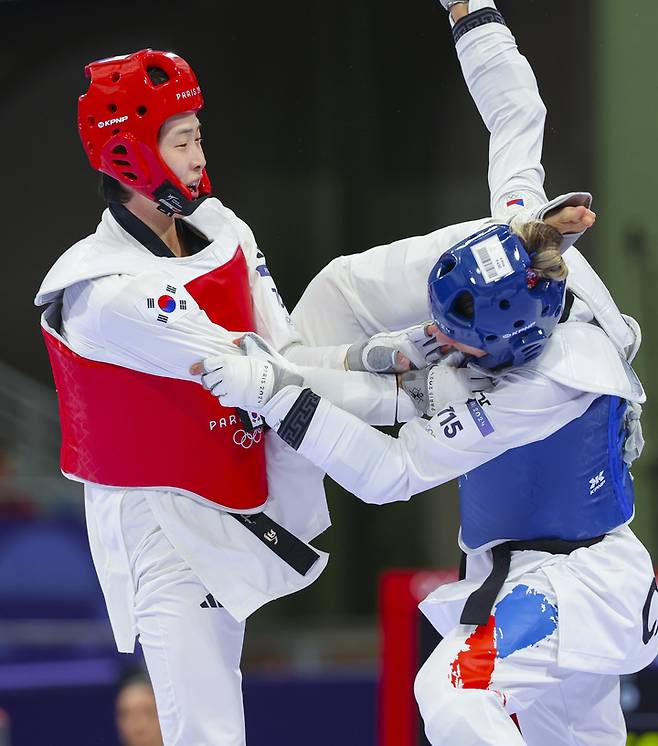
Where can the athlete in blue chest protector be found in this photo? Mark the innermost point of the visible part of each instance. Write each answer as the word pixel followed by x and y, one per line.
pixel 535 408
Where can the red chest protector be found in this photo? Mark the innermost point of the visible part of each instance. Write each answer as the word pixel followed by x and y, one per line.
pixel 124 428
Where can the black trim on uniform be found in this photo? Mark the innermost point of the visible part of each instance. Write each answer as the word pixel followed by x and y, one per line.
pixel 462 566
pixel 474 20
pixel 192 239
pixel 293 551
pixel 480 603
pixel 568 302
pixel 295 424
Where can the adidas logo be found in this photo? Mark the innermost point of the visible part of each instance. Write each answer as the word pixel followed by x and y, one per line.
pixel 210 603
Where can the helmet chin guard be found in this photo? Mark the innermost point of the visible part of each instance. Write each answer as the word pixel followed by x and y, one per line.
pixel 119 120
pixel 483 293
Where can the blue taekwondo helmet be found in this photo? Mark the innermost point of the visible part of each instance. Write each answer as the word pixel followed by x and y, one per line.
pixel 514 310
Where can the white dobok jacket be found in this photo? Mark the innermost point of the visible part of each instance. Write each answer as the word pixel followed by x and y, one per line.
pixel 123 326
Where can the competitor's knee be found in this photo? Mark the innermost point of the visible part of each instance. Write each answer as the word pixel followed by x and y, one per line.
pixel 448 711
pixel 437 699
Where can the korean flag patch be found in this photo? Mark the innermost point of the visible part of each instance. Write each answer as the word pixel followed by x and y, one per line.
pixel 167 302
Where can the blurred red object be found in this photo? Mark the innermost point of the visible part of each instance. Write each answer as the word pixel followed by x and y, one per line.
pixel 401 627
pixel 14 502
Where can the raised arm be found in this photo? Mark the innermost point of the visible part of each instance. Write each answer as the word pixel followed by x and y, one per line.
pixel 505 92
pixel 504 89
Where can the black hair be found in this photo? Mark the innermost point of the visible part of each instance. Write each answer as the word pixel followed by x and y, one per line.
pixel 111 189
pixel 133 675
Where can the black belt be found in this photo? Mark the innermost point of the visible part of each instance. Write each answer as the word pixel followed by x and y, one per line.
pixel 287 546
pixel 480 603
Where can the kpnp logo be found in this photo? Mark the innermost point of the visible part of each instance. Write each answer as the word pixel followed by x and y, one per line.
pixel 110 122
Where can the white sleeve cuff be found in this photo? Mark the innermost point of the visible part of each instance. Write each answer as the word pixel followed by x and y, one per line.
pixel 570 199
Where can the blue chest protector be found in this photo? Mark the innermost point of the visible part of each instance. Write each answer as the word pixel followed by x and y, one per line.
pixel 572 485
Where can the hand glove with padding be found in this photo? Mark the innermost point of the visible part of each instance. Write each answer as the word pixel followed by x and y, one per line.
pixel 432 388
pixel 249 381
pixel 381 353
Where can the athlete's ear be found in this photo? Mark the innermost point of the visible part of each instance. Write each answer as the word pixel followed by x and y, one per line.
pixel 196 369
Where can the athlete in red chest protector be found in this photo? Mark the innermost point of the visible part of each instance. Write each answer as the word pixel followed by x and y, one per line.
pixel 195 517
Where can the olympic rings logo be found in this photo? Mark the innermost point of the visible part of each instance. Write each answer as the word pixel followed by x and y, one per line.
pixel 245 439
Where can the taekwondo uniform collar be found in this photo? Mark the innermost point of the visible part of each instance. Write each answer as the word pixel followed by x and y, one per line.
pixel 114 249
pixel 193 240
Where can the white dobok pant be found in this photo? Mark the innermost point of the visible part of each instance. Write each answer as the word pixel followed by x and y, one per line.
pixel 478 677
pixel 192 651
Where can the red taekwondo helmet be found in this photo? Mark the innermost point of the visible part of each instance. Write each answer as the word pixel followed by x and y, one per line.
pixel 120 116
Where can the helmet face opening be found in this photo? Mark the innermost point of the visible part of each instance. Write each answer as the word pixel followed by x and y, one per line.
pixel 480 296
pixel 462 307
pixel 120 116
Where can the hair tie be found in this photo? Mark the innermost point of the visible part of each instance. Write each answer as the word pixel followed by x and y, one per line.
pixel 531 278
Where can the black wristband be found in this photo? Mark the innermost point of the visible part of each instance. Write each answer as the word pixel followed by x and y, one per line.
pixel 474 20
pixel 295 424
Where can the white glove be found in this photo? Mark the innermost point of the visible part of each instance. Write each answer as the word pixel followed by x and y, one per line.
pixel 248 381
pixel 379 354
pixel 432 388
